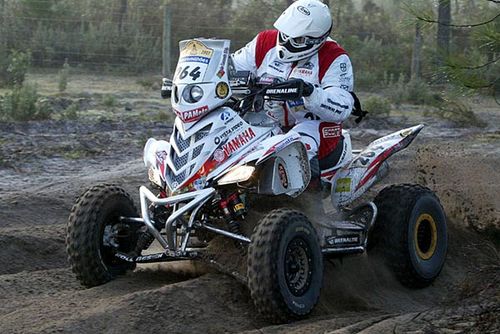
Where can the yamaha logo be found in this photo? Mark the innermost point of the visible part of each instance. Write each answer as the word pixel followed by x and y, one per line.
pixel 304 10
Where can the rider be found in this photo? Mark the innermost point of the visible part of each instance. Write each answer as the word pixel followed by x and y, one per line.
pixel 301 48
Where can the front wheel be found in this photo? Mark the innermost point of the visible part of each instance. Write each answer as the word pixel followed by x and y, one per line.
pixel 95 234
pixel 410 233
pixel 285 266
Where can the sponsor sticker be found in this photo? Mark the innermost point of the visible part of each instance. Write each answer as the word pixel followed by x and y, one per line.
pixel 199 183
pixel 304 72
pixel 283 176
pixel 285 143
pixel 238 141
pixel 192 115
pixel 277 67
pixel 161 156
pixel 405 133
pixel 222 90
pixel 225 116
pixel 221 71
pixel 309 65
pixel 331 132
pixel 341 240
pixel 196 59
pixel 296 103
pixel 196 49
pixel 219 155
pixel 227 133
pixel 343 185
pixel 282 90
pixel 304 10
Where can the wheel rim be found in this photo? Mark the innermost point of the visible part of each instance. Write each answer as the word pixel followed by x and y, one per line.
pixel 298 266
pixel 112 240
pixel 425 236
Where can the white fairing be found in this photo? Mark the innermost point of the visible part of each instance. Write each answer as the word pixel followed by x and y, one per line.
pixel 202 63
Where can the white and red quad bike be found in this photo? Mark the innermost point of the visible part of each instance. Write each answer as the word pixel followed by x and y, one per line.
pixel 226 162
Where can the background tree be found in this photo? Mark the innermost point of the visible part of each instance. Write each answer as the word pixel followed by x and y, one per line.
pixel 443 36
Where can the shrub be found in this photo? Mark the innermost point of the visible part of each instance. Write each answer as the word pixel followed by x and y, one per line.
pixel 458 112
pixel 22 105
pixel 64 76
pixel 14 69
pixel 71 113
pixel 414 91
pixel 109 102
pixel 377 106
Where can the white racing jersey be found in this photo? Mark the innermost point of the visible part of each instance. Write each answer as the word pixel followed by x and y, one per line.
pixel 329 70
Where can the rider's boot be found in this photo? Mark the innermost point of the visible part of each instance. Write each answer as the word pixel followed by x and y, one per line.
pixel 312 199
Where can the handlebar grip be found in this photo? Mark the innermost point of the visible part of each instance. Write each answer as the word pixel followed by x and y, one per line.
pixel 308 89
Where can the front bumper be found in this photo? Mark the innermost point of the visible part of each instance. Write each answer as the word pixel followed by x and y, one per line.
pixel 193 202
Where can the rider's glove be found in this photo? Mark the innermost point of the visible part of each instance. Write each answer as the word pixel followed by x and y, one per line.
pixel 275 110
pixel 308 89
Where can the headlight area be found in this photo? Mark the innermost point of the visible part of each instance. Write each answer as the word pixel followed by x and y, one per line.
pixel 155 178
pixel 236 175
pixel 192 93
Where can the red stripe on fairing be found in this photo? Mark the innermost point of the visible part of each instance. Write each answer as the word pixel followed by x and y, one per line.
pixel 375 165
pixel 328 174
pixel 207 167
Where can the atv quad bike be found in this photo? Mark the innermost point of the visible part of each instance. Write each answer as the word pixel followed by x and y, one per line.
pixel 225 161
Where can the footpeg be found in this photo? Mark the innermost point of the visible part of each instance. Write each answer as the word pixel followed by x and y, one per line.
pixel 344 234
pixel 352 232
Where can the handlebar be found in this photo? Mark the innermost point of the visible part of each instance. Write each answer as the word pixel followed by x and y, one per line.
pixel 293 89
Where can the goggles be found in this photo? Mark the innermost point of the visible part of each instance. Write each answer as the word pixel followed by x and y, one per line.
pixel 299 42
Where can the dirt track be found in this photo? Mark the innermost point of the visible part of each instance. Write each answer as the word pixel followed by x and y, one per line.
pixel 39 180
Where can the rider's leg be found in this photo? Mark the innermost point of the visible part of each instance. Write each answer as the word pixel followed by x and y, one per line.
pixel 309 134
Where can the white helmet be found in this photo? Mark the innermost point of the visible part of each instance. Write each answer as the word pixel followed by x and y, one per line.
pixel 303 28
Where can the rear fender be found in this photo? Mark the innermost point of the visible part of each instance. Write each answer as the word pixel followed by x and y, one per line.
pixel 353 180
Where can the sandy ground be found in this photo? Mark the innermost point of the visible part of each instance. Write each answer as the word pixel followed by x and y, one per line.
pixel 40 176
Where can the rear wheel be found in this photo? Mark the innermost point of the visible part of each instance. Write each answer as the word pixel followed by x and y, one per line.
pixel 411 234
pixel 95 234
pixel 285 266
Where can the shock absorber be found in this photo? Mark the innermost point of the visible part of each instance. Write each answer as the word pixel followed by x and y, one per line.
pixel 145 237
pixel 144 241
pixel 234 209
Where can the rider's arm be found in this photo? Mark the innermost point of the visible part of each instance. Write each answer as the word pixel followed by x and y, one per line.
pixel 244 58
pixel 332 102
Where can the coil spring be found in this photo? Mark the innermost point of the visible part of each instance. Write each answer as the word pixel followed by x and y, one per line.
pixel 234 226
pixel 145 240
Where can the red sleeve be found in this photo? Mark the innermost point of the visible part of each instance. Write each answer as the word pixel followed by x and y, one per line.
pixel 327 55
pixel 266 40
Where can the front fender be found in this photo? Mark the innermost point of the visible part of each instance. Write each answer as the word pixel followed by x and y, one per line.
pixel 285 171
